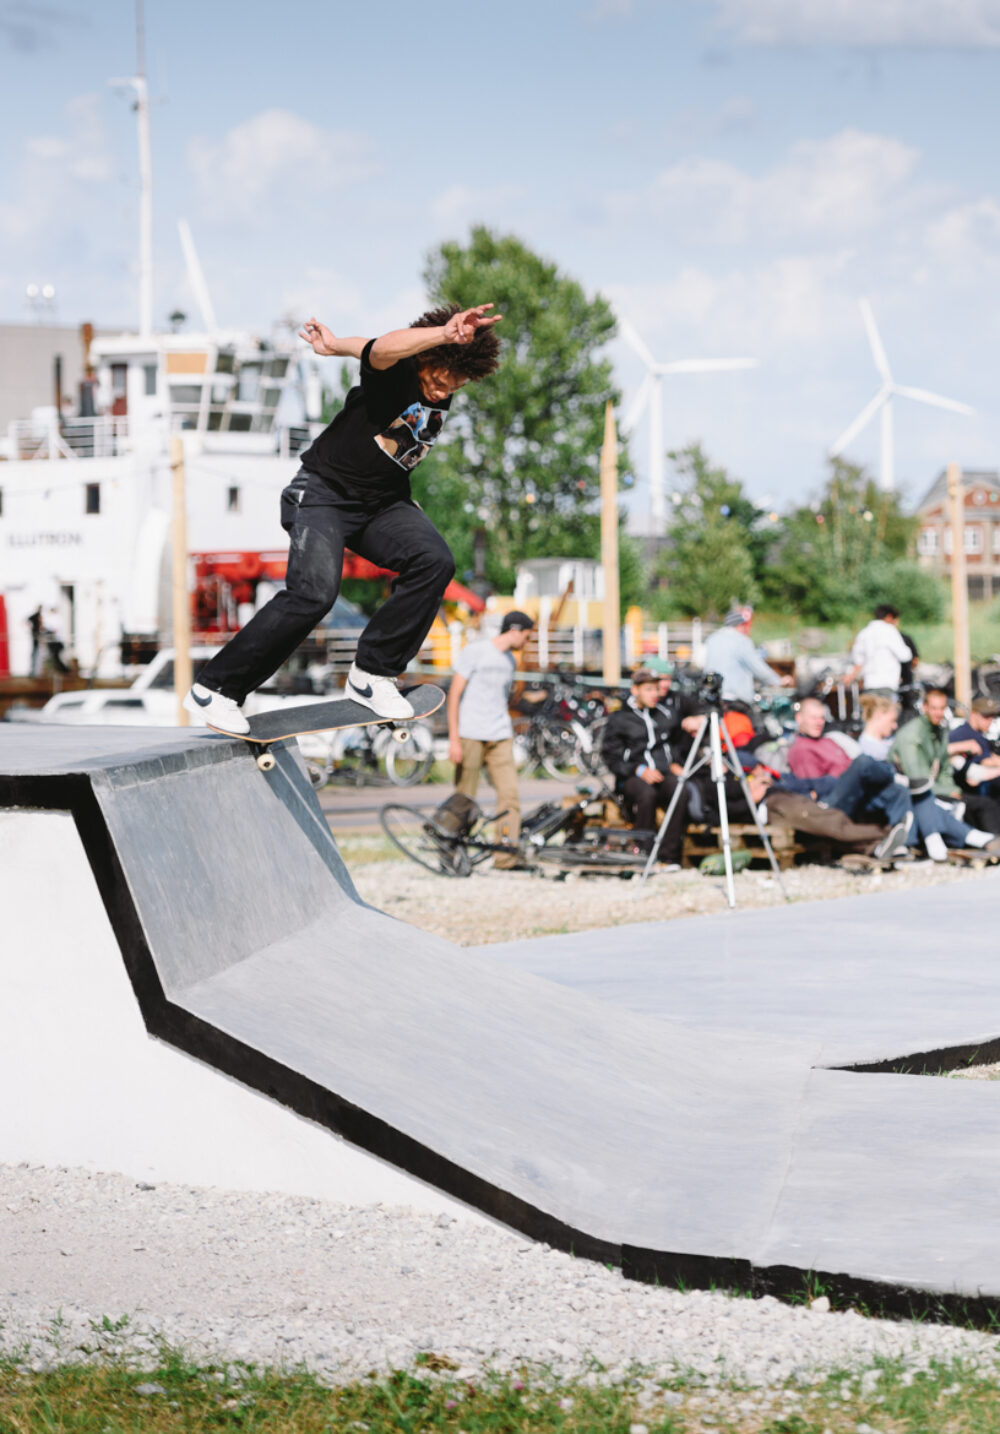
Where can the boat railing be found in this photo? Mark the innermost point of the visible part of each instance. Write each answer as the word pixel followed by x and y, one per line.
pixel 48 437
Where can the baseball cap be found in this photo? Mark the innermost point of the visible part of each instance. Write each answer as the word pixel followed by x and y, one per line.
pixel 644 674
pixel 660 665
pixel 986 707
pixel 738 615
pixel 519 620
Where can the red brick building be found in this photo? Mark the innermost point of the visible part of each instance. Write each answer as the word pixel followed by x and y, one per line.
pixel 982 530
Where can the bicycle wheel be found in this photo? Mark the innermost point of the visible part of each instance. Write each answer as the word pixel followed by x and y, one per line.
pixel 409 761
pixel 319 773
pixel 573 858
pixel 413 834
pixel 559 750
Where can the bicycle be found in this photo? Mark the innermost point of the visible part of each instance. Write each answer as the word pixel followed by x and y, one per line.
pixel 552 836
pixel 560 731
pixel 357 755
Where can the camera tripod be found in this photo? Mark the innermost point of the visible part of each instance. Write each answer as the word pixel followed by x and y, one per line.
pixel 718 766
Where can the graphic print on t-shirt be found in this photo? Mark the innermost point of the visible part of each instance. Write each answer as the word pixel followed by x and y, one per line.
pixel 409 437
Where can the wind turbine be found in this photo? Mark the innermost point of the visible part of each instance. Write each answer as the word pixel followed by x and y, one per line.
pixel 650 392
pixel 883 400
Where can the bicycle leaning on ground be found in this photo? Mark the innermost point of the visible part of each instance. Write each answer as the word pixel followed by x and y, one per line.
pixel 554 837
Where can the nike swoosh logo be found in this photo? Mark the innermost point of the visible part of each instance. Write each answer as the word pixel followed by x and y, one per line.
pixel 365 691
pixel 201 701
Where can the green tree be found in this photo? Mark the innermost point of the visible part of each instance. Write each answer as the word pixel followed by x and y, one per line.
pixel 716 542
pixel 520 456
pixel 848 551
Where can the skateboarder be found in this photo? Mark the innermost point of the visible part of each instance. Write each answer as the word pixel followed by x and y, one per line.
pixel 354 489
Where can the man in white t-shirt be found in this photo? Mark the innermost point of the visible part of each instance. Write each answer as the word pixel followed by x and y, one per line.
pixel 480 732
pixel 879 652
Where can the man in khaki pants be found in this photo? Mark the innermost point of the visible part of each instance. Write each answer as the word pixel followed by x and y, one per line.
pixel 480 732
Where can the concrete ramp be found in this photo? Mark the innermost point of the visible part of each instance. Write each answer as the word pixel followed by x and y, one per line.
pixel 682 1149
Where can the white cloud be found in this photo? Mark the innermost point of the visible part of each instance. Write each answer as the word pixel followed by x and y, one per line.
pixel 272 156
pixel 827 190
pixel 58 174
pixel 964 24
pixel 463 204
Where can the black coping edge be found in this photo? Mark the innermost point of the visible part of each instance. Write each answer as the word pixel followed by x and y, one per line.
pixel 204 1042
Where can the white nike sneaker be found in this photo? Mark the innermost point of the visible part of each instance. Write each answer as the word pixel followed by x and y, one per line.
pixel 216 710
pixel 378 693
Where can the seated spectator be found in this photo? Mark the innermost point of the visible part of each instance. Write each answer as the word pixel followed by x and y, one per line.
pixel 921 752
pixel 683 712
pixel 636 750
pixel 881 716
pixel 833 769
pixel 803 814
pixel 976 762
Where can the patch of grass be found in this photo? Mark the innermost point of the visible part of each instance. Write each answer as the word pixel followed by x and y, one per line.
pixel 111 1397
pixel 363 849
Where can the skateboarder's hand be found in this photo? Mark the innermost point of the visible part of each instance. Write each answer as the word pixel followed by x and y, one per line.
pixel 461 328
pixel 322 340
pixel 651 775
pixel 455 751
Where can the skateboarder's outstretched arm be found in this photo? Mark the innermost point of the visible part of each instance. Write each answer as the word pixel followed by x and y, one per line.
pixel 461 328
pixel 326 344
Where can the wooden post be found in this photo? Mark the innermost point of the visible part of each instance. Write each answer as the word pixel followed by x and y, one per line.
pixel 959 585
pixel 609 550
pixel 182 606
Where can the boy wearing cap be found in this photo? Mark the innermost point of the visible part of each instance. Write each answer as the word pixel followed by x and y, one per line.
pixel 353 489
pixel 480 732
pixel 636 750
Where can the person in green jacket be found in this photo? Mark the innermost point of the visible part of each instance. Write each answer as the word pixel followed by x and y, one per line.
pixel 922 753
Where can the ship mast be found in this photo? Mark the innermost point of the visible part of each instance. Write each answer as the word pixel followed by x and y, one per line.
pixel 145 180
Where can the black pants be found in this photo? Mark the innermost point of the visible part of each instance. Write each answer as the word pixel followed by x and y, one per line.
pixel 647 800
pixel 387 529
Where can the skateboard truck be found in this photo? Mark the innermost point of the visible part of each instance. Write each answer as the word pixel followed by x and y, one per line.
pixel 263 755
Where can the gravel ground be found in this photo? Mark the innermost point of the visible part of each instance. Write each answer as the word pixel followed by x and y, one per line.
pixel 492 906
pixel 282 1280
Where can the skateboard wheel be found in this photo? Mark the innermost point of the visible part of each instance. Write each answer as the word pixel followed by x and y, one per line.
pixel 266 761
pixel 399 734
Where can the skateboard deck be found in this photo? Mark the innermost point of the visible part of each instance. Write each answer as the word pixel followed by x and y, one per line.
pixel 303 718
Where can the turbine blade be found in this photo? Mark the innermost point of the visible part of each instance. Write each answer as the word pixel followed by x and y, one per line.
pixel 921 395
pixel 638 405
pixel 865 416
pixel 875 342
pixel 707 365
pixel 630 336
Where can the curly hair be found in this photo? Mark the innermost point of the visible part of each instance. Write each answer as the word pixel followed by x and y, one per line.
pixel 473 361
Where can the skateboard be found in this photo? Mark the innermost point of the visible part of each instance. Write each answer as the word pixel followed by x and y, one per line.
pixel 304 718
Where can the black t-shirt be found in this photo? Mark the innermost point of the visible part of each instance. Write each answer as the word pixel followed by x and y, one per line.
pixel 383 430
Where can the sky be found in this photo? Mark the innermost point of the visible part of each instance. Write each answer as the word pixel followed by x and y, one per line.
pixel 733 175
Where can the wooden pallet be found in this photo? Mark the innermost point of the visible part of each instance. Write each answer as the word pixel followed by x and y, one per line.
pixel 973 856
pixel 701 841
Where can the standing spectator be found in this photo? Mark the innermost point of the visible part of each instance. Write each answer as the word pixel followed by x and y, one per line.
pixel 730 652
pixel 36 626
pixel 53 642
pixel 879 653
pixel 480 732
pixel 636 750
